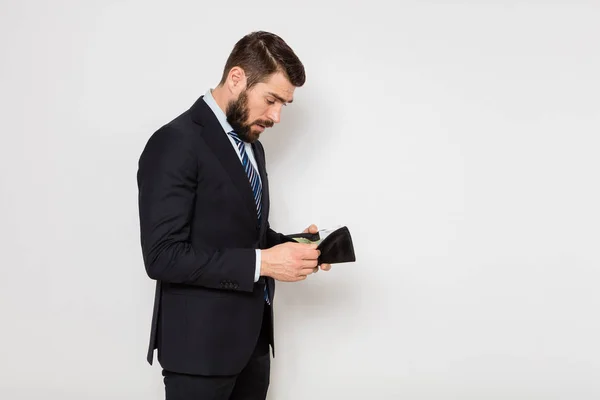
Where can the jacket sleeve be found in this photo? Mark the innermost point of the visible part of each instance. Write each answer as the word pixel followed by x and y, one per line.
pixel 167 181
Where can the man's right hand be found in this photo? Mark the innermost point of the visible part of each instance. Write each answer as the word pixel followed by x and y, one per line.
pixel 289 262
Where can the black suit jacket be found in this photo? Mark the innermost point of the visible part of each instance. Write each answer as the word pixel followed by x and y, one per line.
pixel 199 232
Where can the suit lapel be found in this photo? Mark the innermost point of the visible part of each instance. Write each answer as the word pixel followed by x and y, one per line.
pixel 259 156
pixel 218 141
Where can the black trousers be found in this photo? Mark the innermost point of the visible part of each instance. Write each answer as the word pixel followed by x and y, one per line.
pixel 250 384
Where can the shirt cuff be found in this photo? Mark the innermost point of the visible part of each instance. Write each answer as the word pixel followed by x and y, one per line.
pixel 257 267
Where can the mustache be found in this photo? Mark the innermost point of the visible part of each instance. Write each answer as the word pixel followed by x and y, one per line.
pixel 264 122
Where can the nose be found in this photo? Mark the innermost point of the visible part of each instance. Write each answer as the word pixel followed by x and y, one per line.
pixel 275 114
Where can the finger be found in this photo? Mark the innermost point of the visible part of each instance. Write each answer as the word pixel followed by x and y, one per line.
pixel 311 229
pixel 306 246
pixel 311 254
pixel 315 270
pixel 309 264
pixel 325 267
pixel 306 271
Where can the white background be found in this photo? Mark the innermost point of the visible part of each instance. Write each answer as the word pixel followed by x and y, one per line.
pixel 458 142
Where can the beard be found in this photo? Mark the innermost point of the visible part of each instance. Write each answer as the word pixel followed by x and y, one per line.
pixel 237 116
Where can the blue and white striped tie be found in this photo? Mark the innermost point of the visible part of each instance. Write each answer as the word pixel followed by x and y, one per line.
pixel 255 183
pixel 253 176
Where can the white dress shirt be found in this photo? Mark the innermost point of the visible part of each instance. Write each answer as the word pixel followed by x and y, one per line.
pixel 220 114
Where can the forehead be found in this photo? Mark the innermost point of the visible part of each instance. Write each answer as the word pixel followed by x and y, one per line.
pixel 278 85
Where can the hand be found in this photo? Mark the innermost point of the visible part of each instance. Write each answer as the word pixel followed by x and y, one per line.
pixel 289 262
pixel 313 229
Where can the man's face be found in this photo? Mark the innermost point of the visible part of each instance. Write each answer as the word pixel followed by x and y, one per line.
pixel 260 107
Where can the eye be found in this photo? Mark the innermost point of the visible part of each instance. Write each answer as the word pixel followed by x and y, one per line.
pixel 270 102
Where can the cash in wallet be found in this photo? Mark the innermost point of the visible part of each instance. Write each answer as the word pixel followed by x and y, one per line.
pixel 335 244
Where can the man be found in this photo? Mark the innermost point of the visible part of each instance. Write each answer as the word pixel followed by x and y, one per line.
pixel 205 235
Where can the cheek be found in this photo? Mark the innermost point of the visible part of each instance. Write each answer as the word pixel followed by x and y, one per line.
pixel 256 112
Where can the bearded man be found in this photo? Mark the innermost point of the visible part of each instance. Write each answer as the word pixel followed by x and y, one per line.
pixel 205 233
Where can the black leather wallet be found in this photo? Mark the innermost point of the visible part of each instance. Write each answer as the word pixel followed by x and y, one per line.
pixel 336 248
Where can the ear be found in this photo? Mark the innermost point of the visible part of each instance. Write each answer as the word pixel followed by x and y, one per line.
pixel 236 80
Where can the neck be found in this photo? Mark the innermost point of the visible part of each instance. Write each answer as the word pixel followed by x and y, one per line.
pixel 220 95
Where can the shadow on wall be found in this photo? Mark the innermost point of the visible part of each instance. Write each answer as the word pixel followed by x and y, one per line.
pixel 301 138
pixel 304 312
pixel 316 292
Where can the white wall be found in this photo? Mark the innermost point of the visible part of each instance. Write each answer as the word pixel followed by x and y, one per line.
pixel 458 142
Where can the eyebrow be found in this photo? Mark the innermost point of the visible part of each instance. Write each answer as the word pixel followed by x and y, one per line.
pixel 281 99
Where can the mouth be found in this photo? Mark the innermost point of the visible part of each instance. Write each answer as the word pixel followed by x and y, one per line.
pixel 261 128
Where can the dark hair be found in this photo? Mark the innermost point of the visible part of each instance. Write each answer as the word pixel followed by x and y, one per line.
pixel 261 54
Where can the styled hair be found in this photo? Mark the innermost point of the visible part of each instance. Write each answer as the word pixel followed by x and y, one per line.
pixel 261 54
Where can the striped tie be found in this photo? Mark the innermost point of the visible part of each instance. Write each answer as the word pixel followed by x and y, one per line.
pixel 254 183
pixel 251 172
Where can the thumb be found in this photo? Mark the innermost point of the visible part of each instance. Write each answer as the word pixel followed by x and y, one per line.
pixel 308 246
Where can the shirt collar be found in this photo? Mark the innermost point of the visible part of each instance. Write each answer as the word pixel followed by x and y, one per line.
pixel 212 103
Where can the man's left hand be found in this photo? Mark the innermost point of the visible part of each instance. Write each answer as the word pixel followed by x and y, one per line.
pixel 313 229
